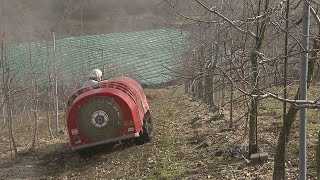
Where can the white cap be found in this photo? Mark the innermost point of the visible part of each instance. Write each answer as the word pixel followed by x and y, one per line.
pixel 96 73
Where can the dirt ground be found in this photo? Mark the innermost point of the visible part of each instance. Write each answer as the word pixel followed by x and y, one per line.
pixel 190 142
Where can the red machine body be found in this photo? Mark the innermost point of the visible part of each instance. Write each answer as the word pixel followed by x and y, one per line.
pixel 109 111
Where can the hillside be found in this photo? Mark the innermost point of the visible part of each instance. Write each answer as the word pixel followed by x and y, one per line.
pixel 234 80
pixel 37 19
pixel 190 142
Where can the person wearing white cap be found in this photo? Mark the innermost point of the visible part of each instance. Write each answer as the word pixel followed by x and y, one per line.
pixel 94 77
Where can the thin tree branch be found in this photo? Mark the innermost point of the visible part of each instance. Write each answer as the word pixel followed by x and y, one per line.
pixel 227 20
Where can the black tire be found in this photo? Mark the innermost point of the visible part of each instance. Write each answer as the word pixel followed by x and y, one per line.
pixel 147 130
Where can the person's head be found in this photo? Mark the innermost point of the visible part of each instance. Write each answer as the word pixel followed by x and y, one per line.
pixel 96 74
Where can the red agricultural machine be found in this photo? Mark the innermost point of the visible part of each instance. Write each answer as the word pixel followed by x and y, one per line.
pixel 109 111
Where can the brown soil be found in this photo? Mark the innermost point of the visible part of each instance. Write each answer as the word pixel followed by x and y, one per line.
pixel 190 142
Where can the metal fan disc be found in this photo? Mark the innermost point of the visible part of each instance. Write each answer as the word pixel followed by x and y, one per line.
pixel 99 118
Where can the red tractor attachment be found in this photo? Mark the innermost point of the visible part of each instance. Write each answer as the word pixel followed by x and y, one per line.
pixel 109 111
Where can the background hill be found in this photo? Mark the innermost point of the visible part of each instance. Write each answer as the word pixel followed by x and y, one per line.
pixel 32 20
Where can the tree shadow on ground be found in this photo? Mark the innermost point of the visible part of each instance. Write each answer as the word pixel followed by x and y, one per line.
pixel 63 160
pixel 56 159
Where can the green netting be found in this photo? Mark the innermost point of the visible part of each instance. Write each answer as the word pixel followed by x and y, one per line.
pixel 148 54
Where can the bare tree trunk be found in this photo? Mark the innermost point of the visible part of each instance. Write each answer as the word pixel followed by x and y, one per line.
pixel 4 109
pixel 317 46
pixel 7 97
pixel 209 80
pixel 231 106
pixel 49 90
pixel 291 114
pixel 208 96
pixel 253 147
pixel 318 156
pixel 206 86
pixel 35 130
pixel 209 87
pixel 9 119
pixel 186 87
pixel 201 85
pixel 222 93
pixel 48 114
pixel 34 99
pixel 200 88
pixel 193 91
pixel 231 98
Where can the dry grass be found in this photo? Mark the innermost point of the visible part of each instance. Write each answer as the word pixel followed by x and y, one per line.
pixel 190 143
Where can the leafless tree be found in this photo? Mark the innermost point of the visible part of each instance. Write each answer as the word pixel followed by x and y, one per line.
pixel 7 92
pixel 256 69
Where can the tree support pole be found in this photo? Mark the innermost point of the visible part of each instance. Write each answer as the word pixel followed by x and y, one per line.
pixel 303 90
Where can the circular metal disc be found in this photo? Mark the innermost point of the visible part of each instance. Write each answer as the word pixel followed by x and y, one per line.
pixel 99 118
